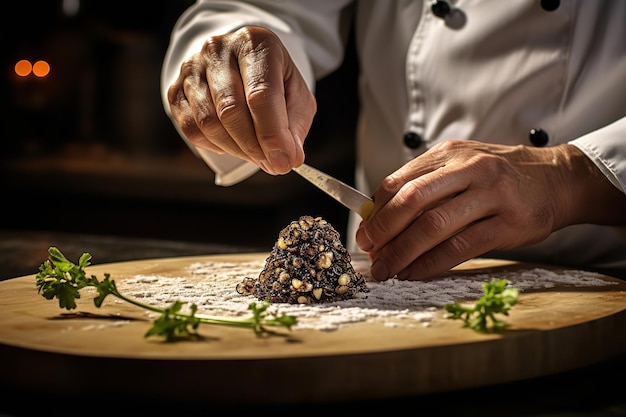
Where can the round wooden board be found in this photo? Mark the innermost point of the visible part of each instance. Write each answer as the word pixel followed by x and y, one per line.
pixel 549 331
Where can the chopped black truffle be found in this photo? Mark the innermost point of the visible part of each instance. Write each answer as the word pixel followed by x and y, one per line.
pixel 308 264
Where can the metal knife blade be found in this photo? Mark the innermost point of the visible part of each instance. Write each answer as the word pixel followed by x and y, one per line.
pixel 340 191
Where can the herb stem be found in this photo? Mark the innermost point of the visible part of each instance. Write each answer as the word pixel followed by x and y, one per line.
pixel 61 279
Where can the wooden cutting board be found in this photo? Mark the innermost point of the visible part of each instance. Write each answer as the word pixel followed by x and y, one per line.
pixel 550 331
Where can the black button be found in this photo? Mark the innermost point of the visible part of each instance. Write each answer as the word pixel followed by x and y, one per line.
pixel 412 140
pixel 538 137
pixel 550 5
pixel 440 9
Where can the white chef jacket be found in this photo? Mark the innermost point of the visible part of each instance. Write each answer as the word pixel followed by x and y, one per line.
pixel 490 70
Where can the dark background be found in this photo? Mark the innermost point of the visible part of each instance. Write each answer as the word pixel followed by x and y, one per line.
pixel 89 149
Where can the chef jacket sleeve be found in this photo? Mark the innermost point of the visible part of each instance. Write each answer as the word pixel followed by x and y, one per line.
pixel 311 34
pixel 606 147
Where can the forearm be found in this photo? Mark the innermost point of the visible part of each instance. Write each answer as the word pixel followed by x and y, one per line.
pixel 589 196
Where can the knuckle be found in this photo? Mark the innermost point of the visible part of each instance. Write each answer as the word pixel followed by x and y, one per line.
pixel 244 40
pixel 434 223
pixel 174 96
pixel 203 119
pixel 188 68
pixel 228 108
pixel 391 184
pixel 412 194
pixel 249 35
pixel 447 146
pixel 214 46
pixel 207 123
pixel 457 246
pixel 253 38
pixel 261 96
pixel 487 163
pixel 191 70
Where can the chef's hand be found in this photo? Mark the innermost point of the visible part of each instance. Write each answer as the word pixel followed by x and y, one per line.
pixel 461 199
pixel 242 95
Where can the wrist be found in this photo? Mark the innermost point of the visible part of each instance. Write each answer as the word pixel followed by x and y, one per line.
pixel 589 196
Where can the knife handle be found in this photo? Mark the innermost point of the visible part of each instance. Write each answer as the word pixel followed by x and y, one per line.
pixel 366 209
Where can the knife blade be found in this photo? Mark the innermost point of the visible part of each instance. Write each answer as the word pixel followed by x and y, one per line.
pixel 340 191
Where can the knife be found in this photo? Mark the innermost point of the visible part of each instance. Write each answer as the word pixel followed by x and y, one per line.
pixel 340 191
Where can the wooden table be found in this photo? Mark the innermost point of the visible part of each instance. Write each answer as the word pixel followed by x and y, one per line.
pixel 551 332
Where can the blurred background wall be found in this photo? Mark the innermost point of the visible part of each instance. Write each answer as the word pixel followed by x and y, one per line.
pixel 87 147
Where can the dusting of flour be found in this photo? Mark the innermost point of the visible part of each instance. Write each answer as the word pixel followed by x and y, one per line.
pixel 211 286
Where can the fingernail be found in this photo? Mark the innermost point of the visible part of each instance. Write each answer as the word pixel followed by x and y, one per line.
pixel 363 241
pixel 279 160
pixel 379 270
pixel 403 275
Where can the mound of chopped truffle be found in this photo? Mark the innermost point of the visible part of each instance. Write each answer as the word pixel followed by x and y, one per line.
pixel 308 264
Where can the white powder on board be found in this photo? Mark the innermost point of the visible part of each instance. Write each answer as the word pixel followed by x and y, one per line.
pixel 211 286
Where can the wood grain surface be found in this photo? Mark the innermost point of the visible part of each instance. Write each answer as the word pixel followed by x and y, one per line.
pixel 552 330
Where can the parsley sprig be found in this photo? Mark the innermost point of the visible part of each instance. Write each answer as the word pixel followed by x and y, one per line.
pixel 498 299
pixel 62 279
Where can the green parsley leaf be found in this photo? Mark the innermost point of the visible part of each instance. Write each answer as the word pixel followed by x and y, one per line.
pixel 498 299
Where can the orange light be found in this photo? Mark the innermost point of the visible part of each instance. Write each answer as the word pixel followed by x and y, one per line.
pixel 23 68
pixel 41 68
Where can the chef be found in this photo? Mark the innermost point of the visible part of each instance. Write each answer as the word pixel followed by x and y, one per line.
pixel 486 128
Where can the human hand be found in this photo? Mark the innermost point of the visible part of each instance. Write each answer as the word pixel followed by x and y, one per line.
pixel 464 198
pixel 242 95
